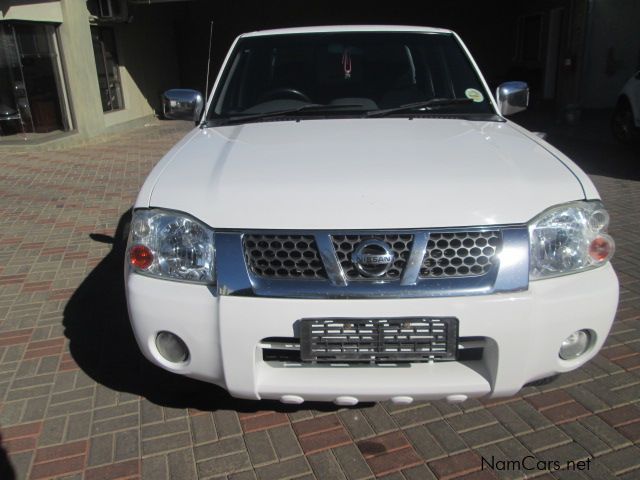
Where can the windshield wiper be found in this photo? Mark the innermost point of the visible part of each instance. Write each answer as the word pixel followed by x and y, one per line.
pixel 311 107
pixel 427 104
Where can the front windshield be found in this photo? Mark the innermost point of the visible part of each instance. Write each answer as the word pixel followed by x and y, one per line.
pixel 348 73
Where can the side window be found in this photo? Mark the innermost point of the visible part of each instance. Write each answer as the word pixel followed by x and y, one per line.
pixel 104 49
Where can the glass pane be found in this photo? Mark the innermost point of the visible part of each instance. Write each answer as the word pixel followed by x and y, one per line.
pixel 105 8
pixel 40 79
pixel 14 107
pixel 111 62
pixel 9 66
pixel 104 49
pixel 93 7
pixel 31 86
pixel 103 84
pixel 373 70
pixel 32 40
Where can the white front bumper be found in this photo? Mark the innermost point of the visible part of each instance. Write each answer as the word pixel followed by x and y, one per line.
pixel 524 332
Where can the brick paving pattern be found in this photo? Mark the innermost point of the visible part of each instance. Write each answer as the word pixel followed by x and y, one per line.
pixel 76 400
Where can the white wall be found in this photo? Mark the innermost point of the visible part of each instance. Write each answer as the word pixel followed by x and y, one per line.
pixel 44 11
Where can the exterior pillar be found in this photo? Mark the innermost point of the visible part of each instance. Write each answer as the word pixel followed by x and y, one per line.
pixel 80 68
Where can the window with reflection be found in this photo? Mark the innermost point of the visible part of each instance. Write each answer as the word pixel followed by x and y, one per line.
pixel 104 49
pixel 31 83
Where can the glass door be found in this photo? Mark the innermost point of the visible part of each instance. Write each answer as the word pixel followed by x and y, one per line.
pixel 15 116
pixel 31 88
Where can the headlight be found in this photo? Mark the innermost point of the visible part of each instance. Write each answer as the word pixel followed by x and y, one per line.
pixel 171 245
pixel 569 238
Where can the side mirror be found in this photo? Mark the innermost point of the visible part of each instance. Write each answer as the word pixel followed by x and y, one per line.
pixel 512 97
pixel 182 104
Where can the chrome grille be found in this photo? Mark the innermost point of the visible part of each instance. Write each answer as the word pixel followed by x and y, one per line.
pixel 404 339
pixel 283 256
pixel 345 245
pixel 460 254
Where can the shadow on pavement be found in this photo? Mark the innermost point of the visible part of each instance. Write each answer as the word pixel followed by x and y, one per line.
pixel 589 143
pixel 6 469
pixel 103 345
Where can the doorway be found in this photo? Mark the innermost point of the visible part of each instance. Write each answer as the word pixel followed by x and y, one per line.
pixel 32 96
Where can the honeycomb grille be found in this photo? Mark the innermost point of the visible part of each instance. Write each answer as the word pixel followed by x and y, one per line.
pixel 345 245
pixel 460 254
pixel 283 256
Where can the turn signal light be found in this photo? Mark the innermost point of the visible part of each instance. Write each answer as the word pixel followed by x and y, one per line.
pixel 140 256
pixel 601 248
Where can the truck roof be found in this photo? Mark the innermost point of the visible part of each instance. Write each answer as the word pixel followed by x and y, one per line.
pixel 347 28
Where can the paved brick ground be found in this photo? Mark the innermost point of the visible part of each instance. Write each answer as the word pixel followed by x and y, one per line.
pixel 75 401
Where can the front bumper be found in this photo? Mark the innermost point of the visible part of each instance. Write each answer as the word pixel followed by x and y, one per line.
pixel 524 331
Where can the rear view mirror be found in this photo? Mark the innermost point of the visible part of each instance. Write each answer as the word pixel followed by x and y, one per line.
pixel 512 97
pixel 182 104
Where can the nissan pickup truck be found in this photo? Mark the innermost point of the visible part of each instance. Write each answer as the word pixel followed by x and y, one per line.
pixel 353 219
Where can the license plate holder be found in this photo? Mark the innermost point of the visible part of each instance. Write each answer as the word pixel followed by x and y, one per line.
pixel 405 339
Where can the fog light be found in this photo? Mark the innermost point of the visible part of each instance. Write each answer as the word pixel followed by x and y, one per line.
pixel 171 347
pixel 575 345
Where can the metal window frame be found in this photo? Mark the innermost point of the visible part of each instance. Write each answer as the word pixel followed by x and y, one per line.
pixel 68 119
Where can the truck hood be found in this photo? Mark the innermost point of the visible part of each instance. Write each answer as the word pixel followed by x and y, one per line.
pixel 385 173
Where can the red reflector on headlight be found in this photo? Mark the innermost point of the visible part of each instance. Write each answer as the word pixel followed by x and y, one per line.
pixel 601 248
pixel 140 256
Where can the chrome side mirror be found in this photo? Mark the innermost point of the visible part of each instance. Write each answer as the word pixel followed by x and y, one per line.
pixel 512 97
pixel 182 104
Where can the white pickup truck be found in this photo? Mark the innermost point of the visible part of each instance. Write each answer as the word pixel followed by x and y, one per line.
pixel 353 219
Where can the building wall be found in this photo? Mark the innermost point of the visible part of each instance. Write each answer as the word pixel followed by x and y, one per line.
pixel 146 51
pixel 613 50
pixel 148 61
pixel 80 69
pixel 44 11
